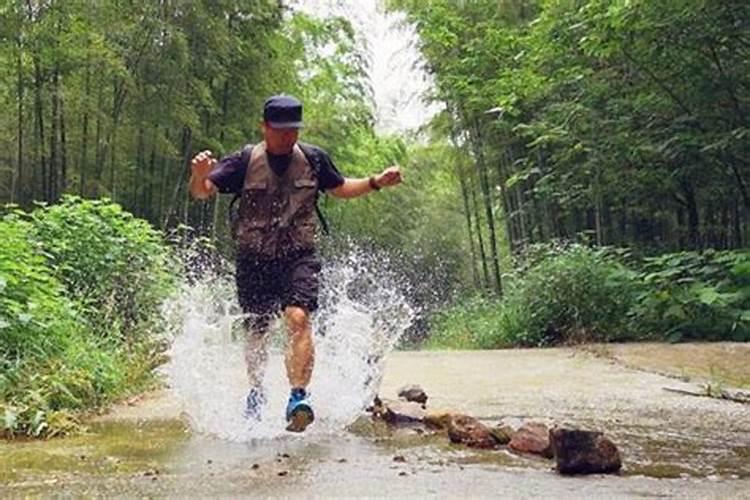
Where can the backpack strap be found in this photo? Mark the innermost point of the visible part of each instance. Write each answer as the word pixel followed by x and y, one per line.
pixel 314 160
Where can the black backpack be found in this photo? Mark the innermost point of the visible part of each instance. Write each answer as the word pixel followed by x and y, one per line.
pixel 312 158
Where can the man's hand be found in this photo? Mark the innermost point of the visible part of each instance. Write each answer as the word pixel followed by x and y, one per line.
pixel 389 177
pixel 201 165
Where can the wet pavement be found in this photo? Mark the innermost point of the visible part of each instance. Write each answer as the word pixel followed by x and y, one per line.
pixel 672 445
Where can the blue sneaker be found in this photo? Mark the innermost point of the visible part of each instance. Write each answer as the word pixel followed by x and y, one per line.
pixel 254 404
pixel 299 413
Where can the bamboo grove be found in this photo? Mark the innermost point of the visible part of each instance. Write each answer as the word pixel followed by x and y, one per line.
pixel 105 98
pixel 615 122
pixel 622 122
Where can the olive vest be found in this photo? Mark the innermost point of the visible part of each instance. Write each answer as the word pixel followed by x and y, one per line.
pixel 277 213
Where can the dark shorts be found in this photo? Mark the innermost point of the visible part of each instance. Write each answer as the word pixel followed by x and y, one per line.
pixel 266 286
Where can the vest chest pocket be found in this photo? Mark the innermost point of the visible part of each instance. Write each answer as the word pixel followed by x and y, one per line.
pixel 253 194
pixel 256 186
pixel 254 211
pixel 304 183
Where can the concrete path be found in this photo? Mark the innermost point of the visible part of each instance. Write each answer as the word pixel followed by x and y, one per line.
pixel 672 445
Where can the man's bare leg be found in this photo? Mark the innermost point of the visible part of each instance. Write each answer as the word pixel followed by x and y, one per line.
pixel 300 358
pixel 256 357
pixel 300 354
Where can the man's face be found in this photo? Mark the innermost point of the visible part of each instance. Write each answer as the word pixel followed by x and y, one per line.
pixel 279 141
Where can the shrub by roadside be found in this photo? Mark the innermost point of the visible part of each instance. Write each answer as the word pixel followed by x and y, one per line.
pixel 559 294
pixel 695 296
pixel 81 283
pixel 572 293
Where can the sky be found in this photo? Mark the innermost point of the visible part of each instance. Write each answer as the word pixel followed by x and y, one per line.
pixel 398 83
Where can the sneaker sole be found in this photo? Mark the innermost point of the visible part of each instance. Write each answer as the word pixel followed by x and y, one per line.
pixel 300 420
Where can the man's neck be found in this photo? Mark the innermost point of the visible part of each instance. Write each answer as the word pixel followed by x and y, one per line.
pixel 279 152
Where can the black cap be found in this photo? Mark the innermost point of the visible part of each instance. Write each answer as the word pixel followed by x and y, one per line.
pixel 283 111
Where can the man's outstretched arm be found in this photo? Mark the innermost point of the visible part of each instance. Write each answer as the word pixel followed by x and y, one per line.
pixel 351 188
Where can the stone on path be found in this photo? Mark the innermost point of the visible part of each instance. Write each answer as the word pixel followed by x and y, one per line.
pixel 532 437
pixel 471 432
pixel 502 434
pixel 439 419
pixel 413 393
pixel 584 452
pixel 400 412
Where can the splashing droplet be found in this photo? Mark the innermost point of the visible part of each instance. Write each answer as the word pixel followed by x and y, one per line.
pixel 362 316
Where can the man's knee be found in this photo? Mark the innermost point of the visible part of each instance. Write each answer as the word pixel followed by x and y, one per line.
pixel 297 318
pixel 257 324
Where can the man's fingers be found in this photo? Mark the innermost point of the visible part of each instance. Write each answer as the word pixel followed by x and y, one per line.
pixel 203 158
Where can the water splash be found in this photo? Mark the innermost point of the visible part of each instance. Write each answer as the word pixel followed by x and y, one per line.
pixel 362 316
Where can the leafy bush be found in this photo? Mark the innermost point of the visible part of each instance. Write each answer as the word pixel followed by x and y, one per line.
pixel 35 318
pixel 474 323
pixel 111 262
pixel 571 293
pixel 574 293
pixel 560 294
pixel 80 288
pixel 692 295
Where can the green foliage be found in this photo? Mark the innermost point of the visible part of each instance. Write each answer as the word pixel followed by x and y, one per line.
pixel 621 118
pixel 562 294
pixel 112 263
pixel 80 288
pixel 573 293
pixel 476 322
pixel 36 318
pixel 695 296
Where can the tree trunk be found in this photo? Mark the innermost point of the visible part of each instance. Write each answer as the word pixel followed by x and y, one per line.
pixel 118 100
pixel 17 178
pixel 482 253
pixel 83 158
pixel 185 167
pixel 484 184
pixel 39 117
pixel 162 191
pixel 184 164
pixel 693 217
pixel 141 174
pixel 467 212
pixel 54 148
pixel 148 199
pixel 98 147
pixel 63 145
pixel 737 225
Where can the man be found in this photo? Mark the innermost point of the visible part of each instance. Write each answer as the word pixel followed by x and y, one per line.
pixel 278 182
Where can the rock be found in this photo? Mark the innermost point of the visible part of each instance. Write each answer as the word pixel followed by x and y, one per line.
pixel 502 434
pixel 401 412
pixel 471 432
pixel 438 419
pixel 399 458
pixel 413 393
pixel 584 452
pixel 532 437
